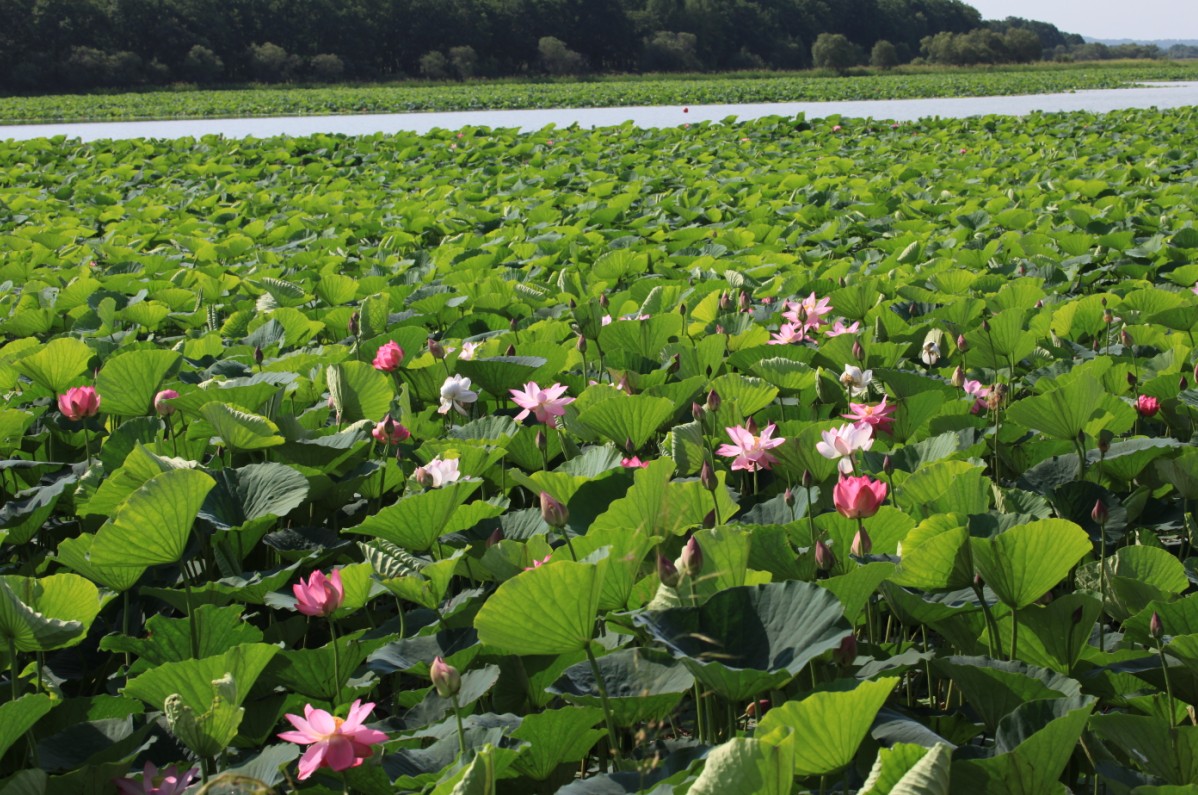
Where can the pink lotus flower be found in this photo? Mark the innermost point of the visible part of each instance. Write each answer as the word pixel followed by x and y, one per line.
pixel 1147 406
pixel 858 497
pixel 789 334
pixel 168 782
pixel 338 744
pixel 319 595
pixel 750 451
pixel 390 432
pixel 879 417
pixel 979 393
pixel 633 463
pixel 536 564
pixel 843 442
pixel 1194 289
pixel 545 404
pixel 437 473
pixel 388 357
pixel 809 312
pixel 79 402
pixel 838 328
pixel 468 350
pixel 163 408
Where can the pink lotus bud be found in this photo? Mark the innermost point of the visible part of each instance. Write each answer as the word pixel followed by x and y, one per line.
pixel 389 357
pixel 79 402
pixel 1099 513
pixel 1155 627
pixel 788 498
pixel 495 537
pixel 862 543
pixel 667 572
pixel 1147 406
pixel 698 412
pixel 553 512
pixel 319 595
pixel 958 378
pixel 540 441
pixel 258 356
pixel 707 476
pixel 1125 338
pixel 445 678
pixel 962 343
pixel 807 479
pixel 825 558
pixel 163 408
pixel 690 562
pixel 858 497
pixel 713 399
pixel 436 349
pixel 581 344
pixel 846 653
pixel 858 351
pixel 354 325
pixel 1132 380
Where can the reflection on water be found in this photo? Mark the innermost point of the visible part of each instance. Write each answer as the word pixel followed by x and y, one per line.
pixel 1159 95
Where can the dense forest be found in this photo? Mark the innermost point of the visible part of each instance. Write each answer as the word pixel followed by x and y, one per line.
pixel 82 44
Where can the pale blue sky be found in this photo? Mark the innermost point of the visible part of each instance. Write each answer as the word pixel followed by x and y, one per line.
pixel 1104 19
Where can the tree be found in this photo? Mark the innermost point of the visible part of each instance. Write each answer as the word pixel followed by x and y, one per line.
pixel 833 51
pixel 668 51
pixel 1022 45
pixel 558 59
pixel 270 63
pixel 434 65
pixel 464 61
pixel 326 67
pixel 202 65
pixel 884 55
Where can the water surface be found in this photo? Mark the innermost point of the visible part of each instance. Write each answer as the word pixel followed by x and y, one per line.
pixel 1155 95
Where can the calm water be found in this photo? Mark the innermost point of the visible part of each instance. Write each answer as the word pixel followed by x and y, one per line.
pixel 1158 95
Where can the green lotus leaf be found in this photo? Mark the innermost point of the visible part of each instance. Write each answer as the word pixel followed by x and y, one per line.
pixel 946 486
pixel 639 686
pixel 241 430
pixel 416 521
pixel 19 715
pixel 75 554
pixel 152 526
pixel 628 417
pixel 359 391
pixel 252 492
pixel 556 737
pixel 128 383
pixel 936 555
pixel 215 630
pixel 548 610
pixel 745 764
pixel 994 688
pixel 58 366
pixel 499 374
pixel 46 613
pixel 908 769
pixel 828 726
pixel 1062 413
pixel 1022 564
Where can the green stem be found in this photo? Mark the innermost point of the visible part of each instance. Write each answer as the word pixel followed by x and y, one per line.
pixel 193 631
pixel 1102 586
pixel 991 624
pixel 457 714
pixel 1014 632
pixel 1160 648
pixel 336 661
pixel 607 714
pixel 569 545
pixel 12 666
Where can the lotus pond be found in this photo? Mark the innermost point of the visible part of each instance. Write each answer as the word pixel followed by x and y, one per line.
pixel 776 457
pixel 604 92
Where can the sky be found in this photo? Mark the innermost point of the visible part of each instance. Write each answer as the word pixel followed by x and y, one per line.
pixel 1104 19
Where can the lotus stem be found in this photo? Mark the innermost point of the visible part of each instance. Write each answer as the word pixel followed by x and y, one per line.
pixel 1160 649
pixel 12 666
pixel 1014 632
pixel 457 714
pixel 607 714
pixel 336 662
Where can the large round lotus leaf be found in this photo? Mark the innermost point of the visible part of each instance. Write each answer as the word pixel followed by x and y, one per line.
pixel 773 627
pixel 638 687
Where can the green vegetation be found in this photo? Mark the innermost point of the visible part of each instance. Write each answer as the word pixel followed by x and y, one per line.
pixel 906 82
pixel 433 432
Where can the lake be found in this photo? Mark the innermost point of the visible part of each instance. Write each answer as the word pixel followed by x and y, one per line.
pixel 1158 95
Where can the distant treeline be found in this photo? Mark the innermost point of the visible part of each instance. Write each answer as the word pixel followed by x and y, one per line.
pixel 51 45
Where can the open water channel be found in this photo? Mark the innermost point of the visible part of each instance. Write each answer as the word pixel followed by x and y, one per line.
pixel 1158 95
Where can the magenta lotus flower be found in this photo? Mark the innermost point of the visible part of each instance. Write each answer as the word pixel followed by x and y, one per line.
pixel 319 595
pixel 390 432
pixel 388 357
pixel 841 443
pixel 336 743
pixel 79 402
pixel 809 312
pixel 1147 406
pixel 838 327
pixel 544 404
pixel 538 562
pixel 750 451
pixel 858 497
pixel 163 408
pixel 633 462
pixel 153 782
pixel 788 334
pixel 879 417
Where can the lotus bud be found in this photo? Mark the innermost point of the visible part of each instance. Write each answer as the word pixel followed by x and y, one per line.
pixel 258 357
pixel 510 350
pixel 1108 317
pixel 1099 513
pixel 445 678
pixel 163 408
pixel 354 325
pixel 553 512
pixel 887 465
pixel 690 562
pixel 806 479
pixel 709 520
pixel 667 572
pixel 912 309
pixel 962 343
pixel 495 537
pixel 436 348
pixel 707 476
pixel 1104 441
pixel 540 441
pixel 603 300
pixel 513 324
pixel 623 384
pixel 1182 384
pixel 986 326
pixel 862 543
pixel 788 498
pixel 825 558
pixel 629 445
pixel 1132 380
pixel 697 411
pixel 745 303
pixel 1155 627
pixel 858 351
pixel 713 401
pixel 958 377
pixel 1022 270
pixel 1094 345
pixel 675 364
pixel 725 302
pixel 581 344
pixel 977 582
pixel 846 653
pixel 682 309
pixel 1196 372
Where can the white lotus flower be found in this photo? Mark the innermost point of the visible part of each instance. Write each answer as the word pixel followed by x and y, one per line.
pixel 457 395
